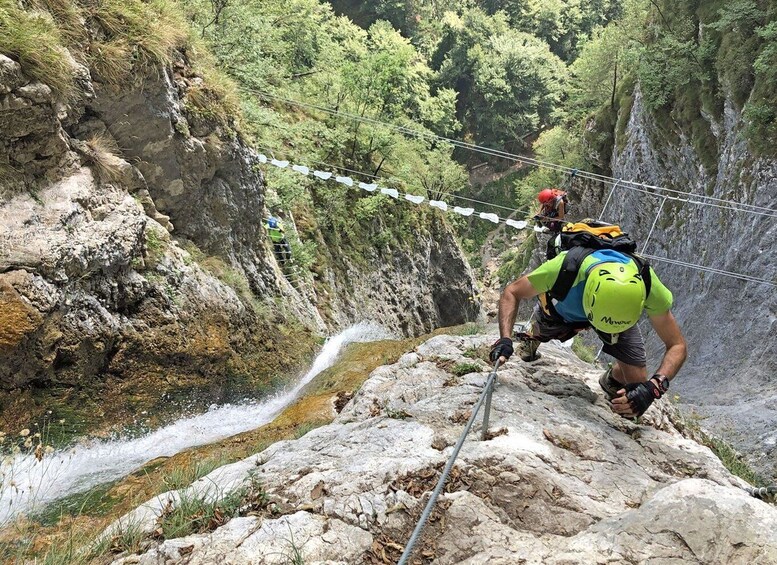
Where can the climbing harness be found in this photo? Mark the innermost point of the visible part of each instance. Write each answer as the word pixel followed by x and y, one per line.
pixel 485 396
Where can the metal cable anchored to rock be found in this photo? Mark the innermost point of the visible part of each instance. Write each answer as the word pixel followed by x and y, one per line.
pixel 764 493
pixel 485 396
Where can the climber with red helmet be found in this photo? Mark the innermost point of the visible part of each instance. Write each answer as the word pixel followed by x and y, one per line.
pixel 554 208
pixel 608 293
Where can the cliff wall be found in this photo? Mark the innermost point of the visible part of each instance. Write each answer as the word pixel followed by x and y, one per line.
pixel 133 256
pixel 730 324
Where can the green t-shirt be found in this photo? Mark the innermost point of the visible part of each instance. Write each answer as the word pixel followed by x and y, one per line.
pixel 276 233
pixel 659 301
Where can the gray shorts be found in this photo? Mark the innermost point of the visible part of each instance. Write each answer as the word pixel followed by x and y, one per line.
pixel 629 347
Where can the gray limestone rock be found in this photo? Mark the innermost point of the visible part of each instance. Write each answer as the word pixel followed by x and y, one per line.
pixel 564 481
pixel 729 324
pixel 10 75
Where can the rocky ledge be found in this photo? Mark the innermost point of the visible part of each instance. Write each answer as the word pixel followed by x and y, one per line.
pixel 562 479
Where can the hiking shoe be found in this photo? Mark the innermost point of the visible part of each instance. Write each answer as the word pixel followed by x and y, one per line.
pixel 527 349
pixel 609 385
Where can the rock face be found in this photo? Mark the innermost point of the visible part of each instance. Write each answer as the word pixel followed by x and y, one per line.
pixel 563 479
pixel 412 290
pixel 132 245
pixel 33 144
pixel 92 284
pixel 730 324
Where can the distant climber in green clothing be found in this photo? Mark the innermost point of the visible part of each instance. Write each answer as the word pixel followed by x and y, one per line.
pixel 609 294
pixel 280 244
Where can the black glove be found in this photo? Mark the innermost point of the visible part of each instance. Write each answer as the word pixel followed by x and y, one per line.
pixel 502 348
pixel 642 395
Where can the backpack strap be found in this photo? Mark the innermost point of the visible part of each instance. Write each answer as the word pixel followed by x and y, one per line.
pixel 644 271
pixel 568 272
pixel 574 260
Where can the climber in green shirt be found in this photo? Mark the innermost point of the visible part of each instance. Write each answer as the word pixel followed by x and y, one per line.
pixel 281 246
pixel 609 294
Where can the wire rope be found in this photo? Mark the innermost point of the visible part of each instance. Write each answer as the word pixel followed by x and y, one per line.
pixel 727 204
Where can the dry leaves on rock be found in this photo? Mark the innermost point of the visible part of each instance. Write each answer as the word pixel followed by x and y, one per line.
pixel 342 399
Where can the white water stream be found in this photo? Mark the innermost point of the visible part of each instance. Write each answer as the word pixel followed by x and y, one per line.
pixel 28 485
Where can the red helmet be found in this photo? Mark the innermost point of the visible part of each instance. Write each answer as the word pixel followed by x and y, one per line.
pixel 545 195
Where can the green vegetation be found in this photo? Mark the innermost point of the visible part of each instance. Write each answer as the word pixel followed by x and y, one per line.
pixel 304 429
pixel 475 71
pixel 690 424
pixel 155 246
pixel 516 261
pixel 687 57
pixel 129 537
pixel 470 328
pixel 508 81
pixel 197 513
pixel 180 477
pixel 583 351
pixel 97 500
pixel 461 369
pixel 734 462
pixel 135 35
pixel 34 40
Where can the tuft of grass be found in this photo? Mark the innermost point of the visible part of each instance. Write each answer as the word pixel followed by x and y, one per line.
pixel 152 30
pixel 470 328
pixel 295 556
pixel 79 548
pixel 129 538
pixel 33 39
pixel 481 352
pixel 199 513
pixel 68 17
pixel 181 477
pixel 584 352
pixel 111 61
pixel 733 461
pixel 102 155
pixel 214 97
pixel 187 517
pixel 461 369
pixel 690 426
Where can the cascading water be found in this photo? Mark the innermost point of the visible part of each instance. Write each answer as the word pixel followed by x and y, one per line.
pixel 27 484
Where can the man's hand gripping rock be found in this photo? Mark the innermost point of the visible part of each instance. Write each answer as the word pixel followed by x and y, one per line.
pixel 635 398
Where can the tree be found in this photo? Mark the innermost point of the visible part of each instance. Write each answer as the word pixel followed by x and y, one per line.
pixel 517 86
pixel 509 83
pixel 562 24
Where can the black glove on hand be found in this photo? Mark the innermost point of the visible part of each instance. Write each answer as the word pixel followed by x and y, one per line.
pixel 502 348
pixel 642 395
